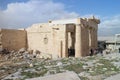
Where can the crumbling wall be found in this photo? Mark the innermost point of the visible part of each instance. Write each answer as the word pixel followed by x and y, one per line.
pixel 13 39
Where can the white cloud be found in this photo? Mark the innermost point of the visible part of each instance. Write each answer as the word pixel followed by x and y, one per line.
pixel 110 26
pixel 18 15
pixel 111 22
pixel 22 15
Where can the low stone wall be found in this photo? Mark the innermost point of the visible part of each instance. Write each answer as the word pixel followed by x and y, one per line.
pixel 13 39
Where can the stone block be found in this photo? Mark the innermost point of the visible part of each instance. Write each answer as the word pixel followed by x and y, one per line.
pixel 70 75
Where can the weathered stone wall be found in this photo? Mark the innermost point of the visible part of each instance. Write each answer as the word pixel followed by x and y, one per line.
pixel 60 34
pixel 59 40
pixel 49 39
pixel 13 39
pixel 40 38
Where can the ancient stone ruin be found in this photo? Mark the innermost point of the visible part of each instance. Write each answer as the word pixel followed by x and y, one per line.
pixel 58 39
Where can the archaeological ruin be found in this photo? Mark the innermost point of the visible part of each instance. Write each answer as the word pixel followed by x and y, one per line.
pixel 59 38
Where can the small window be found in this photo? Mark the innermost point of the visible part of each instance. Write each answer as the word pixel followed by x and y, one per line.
pixel 45 40
pixel 40 26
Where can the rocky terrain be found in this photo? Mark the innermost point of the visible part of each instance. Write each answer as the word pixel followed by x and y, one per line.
pixel 22 65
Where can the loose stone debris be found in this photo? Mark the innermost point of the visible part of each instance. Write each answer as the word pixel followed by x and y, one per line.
pixel 22 65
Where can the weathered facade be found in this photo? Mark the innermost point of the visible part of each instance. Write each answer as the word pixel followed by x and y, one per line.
pixel 11 39
pixel 56 37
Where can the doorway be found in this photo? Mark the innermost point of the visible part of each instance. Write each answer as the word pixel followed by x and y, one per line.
pixel 71 44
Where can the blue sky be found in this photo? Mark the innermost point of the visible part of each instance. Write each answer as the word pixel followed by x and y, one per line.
pixel 100 7
pixel 23 13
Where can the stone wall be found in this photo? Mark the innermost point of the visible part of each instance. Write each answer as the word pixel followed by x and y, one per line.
pixel 39 38
pixel 49 39
pixel 13 39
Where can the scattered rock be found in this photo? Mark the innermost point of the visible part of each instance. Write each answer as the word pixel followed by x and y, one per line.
pixel 22 50
pixel 85 67
pixel 104 69
pixel 116 64
pixel 31 65
pixel 92 68
pixel 59 64
pixel 14 76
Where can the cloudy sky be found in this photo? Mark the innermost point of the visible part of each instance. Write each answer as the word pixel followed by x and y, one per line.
pixel 23 13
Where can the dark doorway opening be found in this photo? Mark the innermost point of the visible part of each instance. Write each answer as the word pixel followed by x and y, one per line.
pixel 71 52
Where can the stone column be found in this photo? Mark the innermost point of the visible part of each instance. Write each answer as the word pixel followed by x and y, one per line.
pixel 95 38
pixel 65 44
pixel 78 49
pixel 91 40
pixel 85 41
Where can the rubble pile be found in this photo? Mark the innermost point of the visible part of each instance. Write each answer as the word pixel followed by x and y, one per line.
pixel 23 64
pixel 14 55
pixel 22 54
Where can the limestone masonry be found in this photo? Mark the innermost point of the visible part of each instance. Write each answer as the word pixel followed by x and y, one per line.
pixel 59 38
pixel 13 39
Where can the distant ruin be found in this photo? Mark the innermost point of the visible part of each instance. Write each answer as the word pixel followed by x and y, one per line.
pixel 55 37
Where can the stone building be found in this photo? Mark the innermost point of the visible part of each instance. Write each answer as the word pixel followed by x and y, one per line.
pixel 56 37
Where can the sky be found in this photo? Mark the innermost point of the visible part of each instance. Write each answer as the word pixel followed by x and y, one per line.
pixel 23 13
